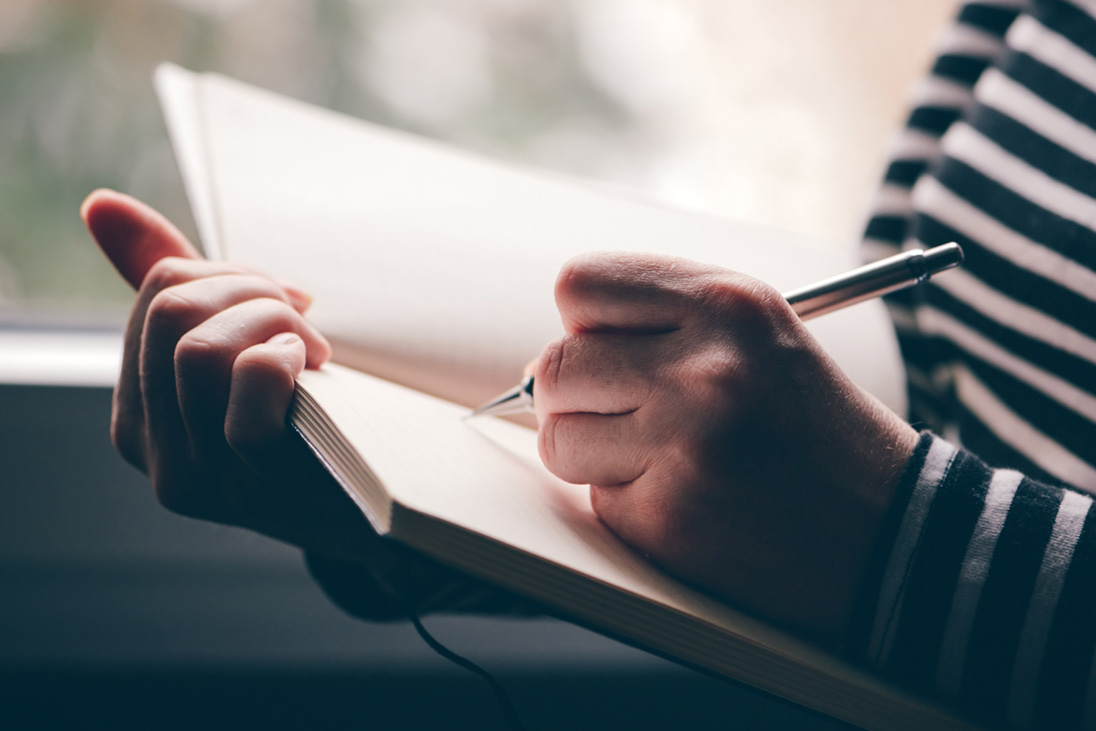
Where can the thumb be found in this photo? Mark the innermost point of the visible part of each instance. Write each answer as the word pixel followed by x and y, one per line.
pixel 131 234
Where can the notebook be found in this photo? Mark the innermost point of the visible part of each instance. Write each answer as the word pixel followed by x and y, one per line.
pixel 433 272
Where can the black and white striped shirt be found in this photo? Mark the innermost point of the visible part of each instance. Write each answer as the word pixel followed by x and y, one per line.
pixel 983 587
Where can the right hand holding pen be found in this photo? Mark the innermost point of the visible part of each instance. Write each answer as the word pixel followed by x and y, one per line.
pixel 717 435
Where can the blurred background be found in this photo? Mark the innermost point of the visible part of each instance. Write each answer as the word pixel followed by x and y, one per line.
pixel 116 614
pixel 777 112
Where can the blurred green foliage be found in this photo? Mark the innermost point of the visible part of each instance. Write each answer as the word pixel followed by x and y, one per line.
pixel 77 109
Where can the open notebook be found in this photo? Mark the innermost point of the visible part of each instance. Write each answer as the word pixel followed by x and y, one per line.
pixel 434 269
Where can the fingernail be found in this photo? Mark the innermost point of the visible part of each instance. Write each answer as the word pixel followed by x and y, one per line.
pixel 285 339
pixel 301 300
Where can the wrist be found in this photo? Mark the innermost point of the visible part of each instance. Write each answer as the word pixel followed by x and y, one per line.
pixel 847 513
pixel 887 509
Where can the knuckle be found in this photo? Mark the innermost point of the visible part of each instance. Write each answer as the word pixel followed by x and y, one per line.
pixel 246 440
pixel 710 377
pixel 126 430
pixel 546 443
pixel 275 312
pixel 743 297
pixel 172 499
pixel 167 272
pixel 561 451
pixel 128 443
pixel 170 312
pixel 549 366
pixel 276 374
pixel 565 451
pixel 601 501
pixel 277 306
pixel 197 354
pixel 754 315
pixel 587 273
pixel 575 276
pixel 171 492
pixel 260 363
pixel 256 285
pixel 242 440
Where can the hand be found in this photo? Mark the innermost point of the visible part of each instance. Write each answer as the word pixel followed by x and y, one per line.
pixel 211 353
pixel 717 436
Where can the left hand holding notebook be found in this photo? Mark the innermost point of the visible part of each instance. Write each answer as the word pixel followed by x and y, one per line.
pixel 211 353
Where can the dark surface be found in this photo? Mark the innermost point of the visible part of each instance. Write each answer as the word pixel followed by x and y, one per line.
pixel 120 700
pixel 116 614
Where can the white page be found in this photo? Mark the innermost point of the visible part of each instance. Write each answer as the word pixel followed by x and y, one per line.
pixel 178 91
pixel 438 266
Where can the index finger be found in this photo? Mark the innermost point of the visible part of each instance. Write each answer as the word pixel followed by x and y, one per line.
pixel 133 235
pixel 635 293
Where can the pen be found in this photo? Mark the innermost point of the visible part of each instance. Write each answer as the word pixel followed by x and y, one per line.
pixel 873 280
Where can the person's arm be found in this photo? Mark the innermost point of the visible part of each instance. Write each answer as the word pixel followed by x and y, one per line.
pixel 721 442
pixel 981 590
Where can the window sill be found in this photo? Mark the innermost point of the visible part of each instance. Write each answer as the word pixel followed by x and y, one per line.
pixel 60 358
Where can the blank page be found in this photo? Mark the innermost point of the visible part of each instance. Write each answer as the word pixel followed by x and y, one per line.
pixel 434 267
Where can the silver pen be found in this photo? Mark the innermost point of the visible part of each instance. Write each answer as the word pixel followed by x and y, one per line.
pixel 873 280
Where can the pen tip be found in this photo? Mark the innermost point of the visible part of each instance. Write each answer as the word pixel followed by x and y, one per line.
pixel 478 411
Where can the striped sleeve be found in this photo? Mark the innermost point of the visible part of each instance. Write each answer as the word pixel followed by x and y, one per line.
pixel 966 49
pixel 981 592
pixel 1001 355
pixel 1015 185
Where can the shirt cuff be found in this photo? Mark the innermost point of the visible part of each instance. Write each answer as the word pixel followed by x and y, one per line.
pixel 979 591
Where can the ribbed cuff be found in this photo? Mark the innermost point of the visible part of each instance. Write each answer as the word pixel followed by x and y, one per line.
pixel 858 633
pixel 981 589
